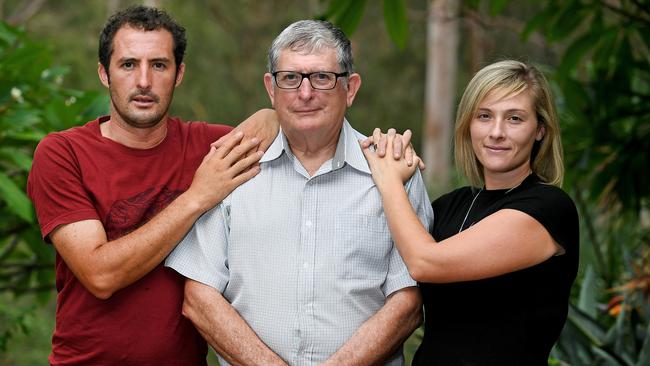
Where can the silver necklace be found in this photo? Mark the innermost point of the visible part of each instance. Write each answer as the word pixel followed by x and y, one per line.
pixel 468 210
pixel 474 200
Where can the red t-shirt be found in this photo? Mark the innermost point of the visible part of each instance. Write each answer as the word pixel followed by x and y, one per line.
pixel 78 175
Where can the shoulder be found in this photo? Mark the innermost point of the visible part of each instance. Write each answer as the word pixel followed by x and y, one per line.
pixel 552 208
pixel 544 196
pixel 209 131
pixel 62 140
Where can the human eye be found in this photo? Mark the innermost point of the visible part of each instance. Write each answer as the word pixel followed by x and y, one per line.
pixel 322 76
pixel 482 116
pixel 515 118
pixel 322 79
pixel 289 76
pixel 128 65
pixel 159 66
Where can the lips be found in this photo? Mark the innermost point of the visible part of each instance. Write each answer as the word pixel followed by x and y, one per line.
pixel 305 111
pixel 143 100
pixel 496 148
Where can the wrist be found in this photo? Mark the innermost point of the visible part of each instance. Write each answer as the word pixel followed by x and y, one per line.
pixel 192 203
pixel 389 183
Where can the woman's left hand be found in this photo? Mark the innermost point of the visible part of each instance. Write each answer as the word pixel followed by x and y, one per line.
pixel 385 169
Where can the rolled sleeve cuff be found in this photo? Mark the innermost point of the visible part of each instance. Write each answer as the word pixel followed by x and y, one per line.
pixel 397 283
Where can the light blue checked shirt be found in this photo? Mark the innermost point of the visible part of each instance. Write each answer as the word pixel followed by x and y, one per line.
pixel 304 260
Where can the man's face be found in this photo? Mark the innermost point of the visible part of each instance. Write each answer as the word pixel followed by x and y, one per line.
pixel 142 76
pixel 306 110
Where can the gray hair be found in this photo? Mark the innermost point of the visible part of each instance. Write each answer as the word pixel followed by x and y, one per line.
pixel 310 36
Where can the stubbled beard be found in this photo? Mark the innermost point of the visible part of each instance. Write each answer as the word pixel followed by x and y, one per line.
pixel 140 120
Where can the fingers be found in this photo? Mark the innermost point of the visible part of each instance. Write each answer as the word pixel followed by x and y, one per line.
pixel 246 162
pixel 246 175
pixel 409 154
pixel 228 142
pixel 245 148
pixel 366 143
pixel 406 137
pixel 421 164
pixel 397 148
pixel 376 135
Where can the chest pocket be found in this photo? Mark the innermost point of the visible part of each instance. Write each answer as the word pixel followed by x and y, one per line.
pixel 362 248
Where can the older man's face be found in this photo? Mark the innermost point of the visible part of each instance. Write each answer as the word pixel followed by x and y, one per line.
pixel 306 110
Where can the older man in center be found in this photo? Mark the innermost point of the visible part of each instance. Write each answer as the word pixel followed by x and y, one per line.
pixel 297 265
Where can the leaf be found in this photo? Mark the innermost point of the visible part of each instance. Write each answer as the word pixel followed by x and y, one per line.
pixel 33 136
pixel 335 8
pixel 566 22
pixel 644 353
pixel 396 22
pixel 611 360
pixel 19 158
pixel 7 34
pixel 540 20
pixel 350 15
pixel 577 50
pixel 497 6
pixel 588 326
pixel 15 198
pixel 587 301
pixel 473 4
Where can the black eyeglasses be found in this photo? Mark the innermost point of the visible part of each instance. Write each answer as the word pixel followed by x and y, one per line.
pixel 319 80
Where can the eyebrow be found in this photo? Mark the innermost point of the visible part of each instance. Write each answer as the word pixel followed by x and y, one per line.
pixel 133 59
pixel 507 111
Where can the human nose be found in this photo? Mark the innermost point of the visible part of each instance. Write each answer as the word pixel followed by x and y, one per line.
pixel 497 128
pixel 305 89
pixel 144 78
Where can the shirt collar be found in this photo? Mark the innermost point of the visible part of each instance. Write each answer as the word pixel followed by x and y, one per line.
pixel 347 149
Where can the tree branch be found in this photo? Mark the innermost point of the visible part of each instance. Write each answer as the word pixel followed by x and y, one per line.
pixel 28 11
pixel 623 12
pixel 510 24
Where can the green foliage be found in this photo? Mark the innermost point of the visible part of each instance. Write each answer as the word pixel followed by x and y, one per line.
pixel 32 103
pixel 347 14
pixel 603 89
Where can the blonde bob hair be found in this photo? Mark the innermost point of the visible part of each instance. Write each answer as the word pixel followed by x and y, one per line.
pixel 511 78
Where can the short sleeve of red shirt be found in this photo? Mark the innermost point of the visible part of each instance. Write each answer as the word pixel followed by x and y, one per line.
pixel 55 185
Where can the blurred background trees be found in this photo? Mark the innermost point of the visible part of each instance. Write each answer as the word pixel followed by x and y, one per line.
pixel 415 58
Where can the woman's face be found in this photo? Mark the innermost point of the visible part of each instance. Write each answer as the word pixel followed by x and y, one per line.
pixel 503 130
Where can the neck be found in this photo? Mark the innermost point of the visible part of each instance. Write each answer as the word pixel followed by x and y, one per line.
pixel 136 138
pixel 506 180
pixel 312 150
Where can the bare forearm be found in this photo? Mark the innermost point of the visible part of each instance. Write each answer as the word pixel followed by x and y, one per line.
pixel 410 236
pixel 224 329
pixel 127 259
pixel 381 335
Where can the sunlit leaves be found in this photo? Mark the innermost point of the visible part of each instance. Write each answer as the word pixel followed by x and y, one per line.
pixel 347 14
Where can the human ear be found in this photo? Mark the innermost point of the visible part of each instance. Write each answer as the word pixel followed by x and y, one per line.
pixel 103 74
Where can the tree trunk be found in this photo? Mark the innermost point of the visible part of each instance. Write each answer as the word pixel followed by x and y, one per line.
pixel 440 90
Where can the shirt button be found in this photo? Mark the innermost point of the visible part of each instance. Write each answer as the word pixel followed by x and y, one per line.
pixel 305 265
pixel 308 223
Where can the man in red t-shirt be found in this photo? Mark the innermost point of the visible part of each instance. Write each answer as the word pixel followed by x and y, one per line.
pixel 116 195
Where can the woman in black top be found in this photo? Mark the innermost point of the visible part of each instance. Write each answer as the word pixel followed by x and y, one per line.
pixel 496 270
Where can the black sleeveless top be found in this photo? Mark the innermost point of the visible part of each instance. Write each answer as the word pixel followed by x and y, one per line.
pixel 512 319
